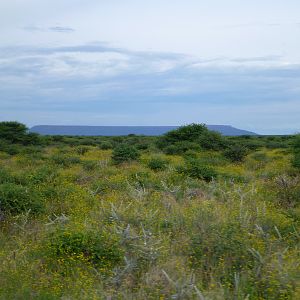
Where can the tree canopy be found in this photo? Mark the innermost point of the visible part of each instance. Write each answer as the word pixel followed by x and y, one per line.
pixel 17 133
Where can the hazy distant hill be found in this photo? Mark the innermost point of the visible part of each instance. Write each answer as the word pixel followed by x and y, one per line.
pixel 125 130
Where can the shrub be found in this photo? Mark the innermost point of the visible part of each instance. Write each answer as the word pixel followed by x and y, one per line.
pixel 296 160
pixel 142 146
pixel 5 176
pixel 106 146
pixel 16 199
pixel 193 136
pixel 82 150
pixel 11 149
pixel 98 248
pixel 196 169
pixel 44 174
pixel 89 165
pixel 182 147
pixel 124 153
pixel 190 154
pixel 236 153
pixel 88 141
pixel 296 152
pixel 14 132
pixel 171 150
pixel 287 191
pixel 63 160
pixel 157 164
pixel 223 249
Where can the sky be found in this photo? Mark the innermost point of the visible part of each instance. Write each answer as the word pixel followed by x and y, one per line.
pixel 133 62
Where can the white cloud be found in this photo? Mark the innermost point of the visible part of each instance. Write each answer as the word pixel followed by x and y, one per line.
pixel 238 61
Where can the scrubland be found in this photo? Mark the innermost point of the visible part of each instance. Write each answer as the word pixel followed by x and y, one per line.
pixel 78 222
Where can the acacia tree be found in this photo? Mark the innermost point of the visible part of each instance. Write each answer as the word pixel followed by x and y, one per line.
pixel 191 137
pixel 16 133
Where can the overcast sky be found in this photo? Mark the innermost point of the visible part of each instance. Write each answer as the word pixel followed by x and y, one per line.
pixel 158 62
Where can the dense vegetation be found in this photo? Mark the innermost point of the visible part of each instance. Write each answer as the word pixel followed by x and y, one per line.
pixel 190 215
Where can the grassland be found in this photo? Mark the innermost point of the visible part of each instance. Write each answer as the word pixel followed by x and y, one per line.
pixel 76 225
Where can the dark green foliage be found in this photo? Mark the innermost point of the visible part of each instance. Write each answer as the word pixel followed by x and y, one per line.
pixel 197 169
pixel 31 139
pixel 157 164
pixel 82 150
pixel 65 161
pixel 190 137
pixel 11 149
pixel 13 132
pixel 190 154
pixel 181 148
pixel 296 160
pixel 88 141
pixel 98 248
pixel 16 199
pixel 287 191
pixel 17 133
pixel 5 176
pixel 44 174
pixel 171 150
pixel 124 153
pixel 296 152
pixel 142 146
pixel 106 145
pixel 89 165
pixel 236 153
pixel 249 142
pixel 57 138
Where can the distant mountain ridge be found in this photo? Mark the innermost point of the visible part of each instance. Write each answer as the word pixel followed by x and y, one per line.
pixel 226 130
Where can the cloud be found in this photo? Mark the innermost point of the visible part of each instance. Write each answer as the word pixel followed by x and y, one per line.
pixel 61 29
pixel 98 79
pixel 58 29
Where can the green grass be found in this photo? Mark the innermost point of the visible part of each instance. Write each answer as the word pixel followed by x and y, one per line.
pixel 144 230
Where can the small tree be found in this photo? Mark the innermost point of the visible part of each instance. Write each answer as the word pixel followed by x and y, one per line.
pixel 191 137
pixel 13 132
pixel 17 133
pixel 124 153
pixel 236 153
pixel 196 169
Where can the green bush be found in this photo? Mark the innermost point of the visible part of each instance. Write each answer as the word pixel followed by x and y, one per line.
pixel 5 176
pixel 106 145
pixel 157 164
pixel 11 149
pixel 17 133
pixel 236 153
pixel 196 169
pixel 191 137
pixel 296 152
pixel 81 150
pixel 296 160
pixel 98 248
pixel 287 190
pixel 124 153
pixel 63 160
pixel 181 148
pixel 89 165
pixel 16 199
pixel 223 249
pixel 44 174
